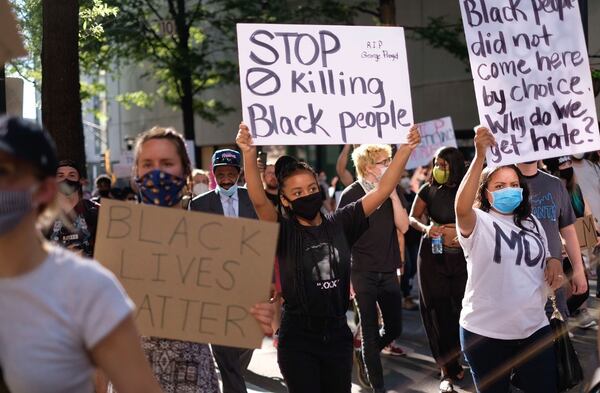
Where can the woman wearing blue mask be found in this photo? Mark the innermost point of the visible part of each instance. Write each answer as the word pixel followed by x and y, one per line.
pixel 163 175
pixel 503 325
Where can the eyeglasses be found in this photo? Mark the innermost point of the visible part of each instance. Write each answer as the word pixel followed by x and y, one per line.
pixel 385 162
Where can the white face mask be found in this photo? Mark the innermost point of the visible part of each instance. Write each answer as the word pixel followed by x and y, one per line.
pixel 200 188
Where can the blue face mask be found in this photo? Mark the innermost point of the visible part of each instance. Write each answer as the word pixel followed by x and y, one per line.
pixel 507 199
pixel 229 192
pixel 160 188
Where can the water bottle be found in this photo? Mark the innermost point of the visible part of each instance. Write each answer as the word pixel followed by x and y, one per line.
pixel 436 245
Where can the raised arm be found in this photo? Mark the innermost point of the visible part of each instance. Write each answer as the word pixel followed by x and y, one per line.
pixel 263 206
pixel 392 176
pixel 341 167
pixel 465 197
pixel 400 215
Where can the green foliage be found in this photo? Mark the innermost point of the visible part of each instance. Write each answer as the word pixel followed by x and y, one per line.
pixel 140 99
pixel 448 36
pixel 94 51
pixel 596 74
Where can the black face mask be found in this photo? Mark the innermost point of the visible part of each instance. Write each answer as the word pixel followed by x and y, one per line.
pixel 567 174
pixel 68 187
pixel 308 206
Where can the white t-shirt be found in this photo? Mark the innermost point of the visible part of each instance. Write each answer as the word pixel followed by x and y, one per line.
pixel 506 292
pixel 52 317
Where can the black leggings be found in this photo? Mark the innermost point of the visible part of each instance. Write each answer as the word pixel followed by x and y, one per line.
pixel 442 281
pixel 315 359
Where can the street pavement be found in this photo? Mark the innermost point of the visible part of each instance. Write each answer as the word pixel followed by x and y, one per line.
pixel 417 372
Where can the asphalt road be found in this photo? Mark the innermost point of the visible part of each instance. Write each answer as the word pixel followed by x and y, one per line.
pixel 417 372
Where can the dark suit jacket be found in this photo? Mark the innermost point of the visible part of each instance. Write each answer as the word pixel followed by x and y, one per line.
pixel 210 202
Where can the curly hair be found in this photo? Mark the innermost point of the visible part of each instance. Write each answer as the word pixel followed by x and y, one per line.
pixel 456 163
pixel 365 155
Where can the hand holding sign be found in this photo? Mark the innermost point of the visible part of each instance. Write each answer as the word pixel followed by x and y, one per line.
pixel 244 140
pixel 484 139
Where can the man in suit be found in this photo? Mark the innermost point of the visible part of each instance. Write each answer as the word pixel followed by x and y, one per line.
pixel 231 201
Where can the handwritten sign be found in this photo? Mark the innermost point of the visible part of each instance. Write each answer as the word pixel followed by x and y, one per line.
pixel 434 134
pixel 11 45
pixel 532 78
pixel 304 84
pixel 586 232
pixel 192 276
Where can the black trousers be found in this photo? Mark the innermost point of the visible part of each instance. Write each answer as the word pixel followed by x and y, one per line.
pixel 373 289
pixel 442 281
pixel 315 356
pixel 232 363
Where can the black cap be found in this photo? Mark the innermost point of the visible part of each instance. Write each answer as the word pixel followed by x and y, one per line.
pixel 226 157
pixel 28 141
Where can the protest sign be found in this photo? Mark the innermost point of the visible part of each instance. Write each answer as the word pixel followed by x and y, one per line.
pixel 586 231
pixel 532 78
pixel 11 45
pixel 193 276
pixel 319 85
pixel 434 134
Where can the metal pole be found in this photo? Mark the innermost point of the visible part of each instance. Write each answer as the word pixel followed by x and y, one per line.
pixel 2 90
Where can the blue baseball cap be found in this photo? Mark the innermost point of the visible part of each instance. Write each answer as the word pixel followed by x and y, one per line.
pixel 227 157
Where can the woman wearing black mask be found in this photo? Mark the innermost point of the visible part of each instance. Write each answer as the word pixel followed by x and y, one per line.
pixel 163 175
pixel 315 343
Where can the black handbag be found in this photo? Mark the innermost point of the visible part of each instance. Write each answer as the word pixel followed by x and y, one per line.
pixel 569 371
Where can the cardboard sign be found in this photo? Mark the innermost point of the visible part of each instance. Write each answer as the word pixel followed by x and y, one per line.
pixel 11 44
pixel 586 232
pixel 193 276
pixel 322 85
pixel 532 78
pixel 434 134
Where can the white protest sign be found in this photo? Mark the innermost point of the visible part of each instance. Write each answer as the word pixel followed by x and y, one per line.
pixel 434 134
pixel 532 78
pixel 304 84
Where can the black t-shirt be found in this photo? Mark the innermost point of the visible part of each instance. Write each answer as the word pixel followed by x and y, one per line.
pixel 321 256
pixel 440 202
pixel 377 250
pixel 78 233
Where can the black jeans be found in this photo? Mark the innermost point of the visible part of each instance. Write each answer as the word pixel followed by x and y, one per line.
pixel 442 280
pixel 315 356
pixel 372 289
pixel 492 361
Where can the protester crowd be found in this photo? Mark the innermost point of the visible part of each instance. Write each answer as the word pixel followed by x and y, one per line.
pixel 482 248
